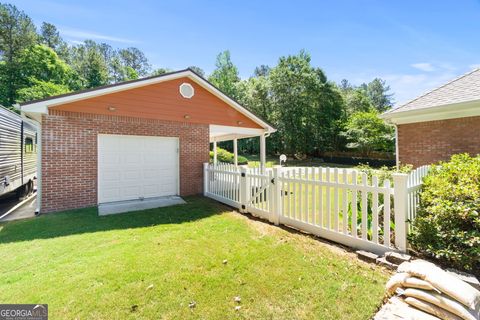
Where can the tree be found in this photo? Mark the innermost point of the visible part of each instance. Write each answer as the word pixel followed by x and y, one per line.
pixel 345 85
pixel 367 132
pixel 378 92
pixel 135 59
pixel 356 100
pixel 50 36
pixel 88 61
pixel 40 89
pixel 261 71
pixel 254 93
pixel 303 101
pixel 42 63
pixel 160 71
pixel 43 74
pixel 197 70
pixel 330 117
pixel 17 32
pixel 225 76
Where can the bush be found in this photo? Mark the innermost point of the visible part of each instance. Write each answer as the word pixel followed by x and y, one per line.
pixel 227 157
pixel 447 226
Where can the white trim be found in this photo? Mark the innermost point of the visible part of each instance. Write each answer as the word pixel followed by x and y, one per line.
pixel 42 106
pixel 39 169
pixel 186 85
pixel 235 152
pixel 262 152
pixel 451 111
pixel 215 152
pixel 226 133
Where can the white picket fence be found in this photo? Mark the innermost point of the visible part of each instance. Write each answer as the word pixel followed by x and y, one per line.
pixel 342 205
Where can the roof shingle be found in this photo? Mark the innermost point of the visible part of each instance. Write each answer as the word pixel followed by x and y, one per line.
pixel 462 89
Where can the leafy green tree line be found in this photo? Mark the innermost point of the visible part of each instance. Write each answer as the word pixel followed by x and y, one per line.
pixel 311 113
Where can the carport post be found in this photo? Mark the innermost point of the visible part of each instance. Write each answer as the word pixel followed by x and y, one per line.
pixel 235 152
pixel 215 153
pixel 262 152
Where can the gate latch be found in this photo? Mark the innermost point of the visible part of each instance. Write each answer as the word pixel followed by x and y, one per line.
pixel 272 181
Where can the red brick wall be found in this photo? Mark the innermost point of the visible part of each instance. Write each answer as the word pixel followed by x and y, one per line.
pixel 69 154
pixel 428 142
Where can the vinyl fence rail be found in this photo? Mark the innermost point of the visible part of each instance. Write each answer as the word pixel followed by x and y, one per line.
pixel 342 205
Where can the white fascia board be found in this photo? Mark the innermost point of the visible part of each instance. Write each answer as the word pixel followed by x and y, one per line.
pixel 452 111
pixel 225 133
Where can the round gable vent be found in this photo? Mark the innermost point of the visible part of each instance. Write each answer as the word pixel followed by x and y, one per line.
pixel 186 90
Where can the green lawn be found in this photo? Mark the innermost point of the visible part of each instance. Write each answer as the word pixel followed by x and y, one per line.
pixel 254 161
pixel 152 264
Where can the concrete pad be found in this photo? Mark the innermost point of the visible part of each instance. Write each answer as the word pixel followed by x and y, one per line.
pixel 136 205
pixel 14 209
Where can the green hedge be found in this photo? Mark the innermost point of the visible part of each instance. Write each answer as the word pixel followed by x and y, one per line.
pixel 447 226
pixel 225 156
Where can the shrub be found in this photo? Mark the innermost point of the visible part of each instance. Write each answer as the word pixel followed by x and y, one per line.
pixel 227 157
pixel 447 226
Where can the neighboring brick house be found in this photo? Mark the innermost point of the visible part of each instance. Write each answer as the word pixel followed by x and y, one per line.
pixel 440 123
pixel 138 139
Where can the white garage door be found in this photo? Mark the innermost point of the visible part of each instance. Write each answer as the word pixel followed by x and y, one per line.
pixel 135 167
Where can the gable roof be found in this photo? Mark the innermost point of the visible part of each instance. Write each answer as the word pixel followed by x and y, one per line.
pixel 455 95
pixel 42 105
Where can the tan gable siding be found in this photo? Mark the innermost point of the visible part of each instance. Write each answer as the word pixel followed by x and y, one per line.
pixel 163 101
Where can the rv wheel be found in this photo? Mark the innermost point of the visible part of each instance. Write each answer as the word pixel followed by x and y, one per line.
pixel 30 187
pixel 22 191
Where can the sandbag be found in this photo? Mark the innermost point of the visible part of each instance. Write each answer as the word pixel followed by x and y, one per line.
pixel 442 302
pixel 432 309
pixel 405 280
pixel 443 281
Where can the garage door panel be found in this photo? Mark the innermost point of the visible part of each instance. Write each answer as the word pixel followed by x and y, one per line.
pixel 132 167
pixel 131 193
pixel 110 175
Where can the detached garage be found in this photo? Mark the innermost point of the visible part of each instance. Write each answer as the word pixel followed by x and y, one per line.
pixel 134 140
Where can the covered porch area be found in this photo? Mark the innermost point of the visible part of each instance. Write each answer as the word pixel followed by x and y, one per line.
pixel 220 133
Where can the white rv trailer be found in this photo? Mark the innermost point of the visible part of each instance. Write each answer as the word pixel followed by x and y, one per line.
pixel 18 153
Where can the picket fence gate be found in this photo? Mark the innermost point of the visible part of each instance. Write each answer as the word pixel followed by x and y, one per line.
pixel 342 205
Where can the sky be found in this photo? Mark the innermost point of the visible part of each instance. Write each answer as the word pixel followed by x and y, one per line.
pixel 414 45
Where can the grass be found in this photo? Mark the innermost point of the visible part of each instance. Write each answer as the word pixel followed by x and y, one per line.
pixel 254 162
pixel 153 263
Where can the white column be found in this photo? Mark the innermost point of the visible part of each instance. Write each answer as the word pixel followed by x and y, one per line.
pixel 205 178
pixel 235 152
pixel 262 152
pixel 215 152
pixel 400 199
pixel 397 155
